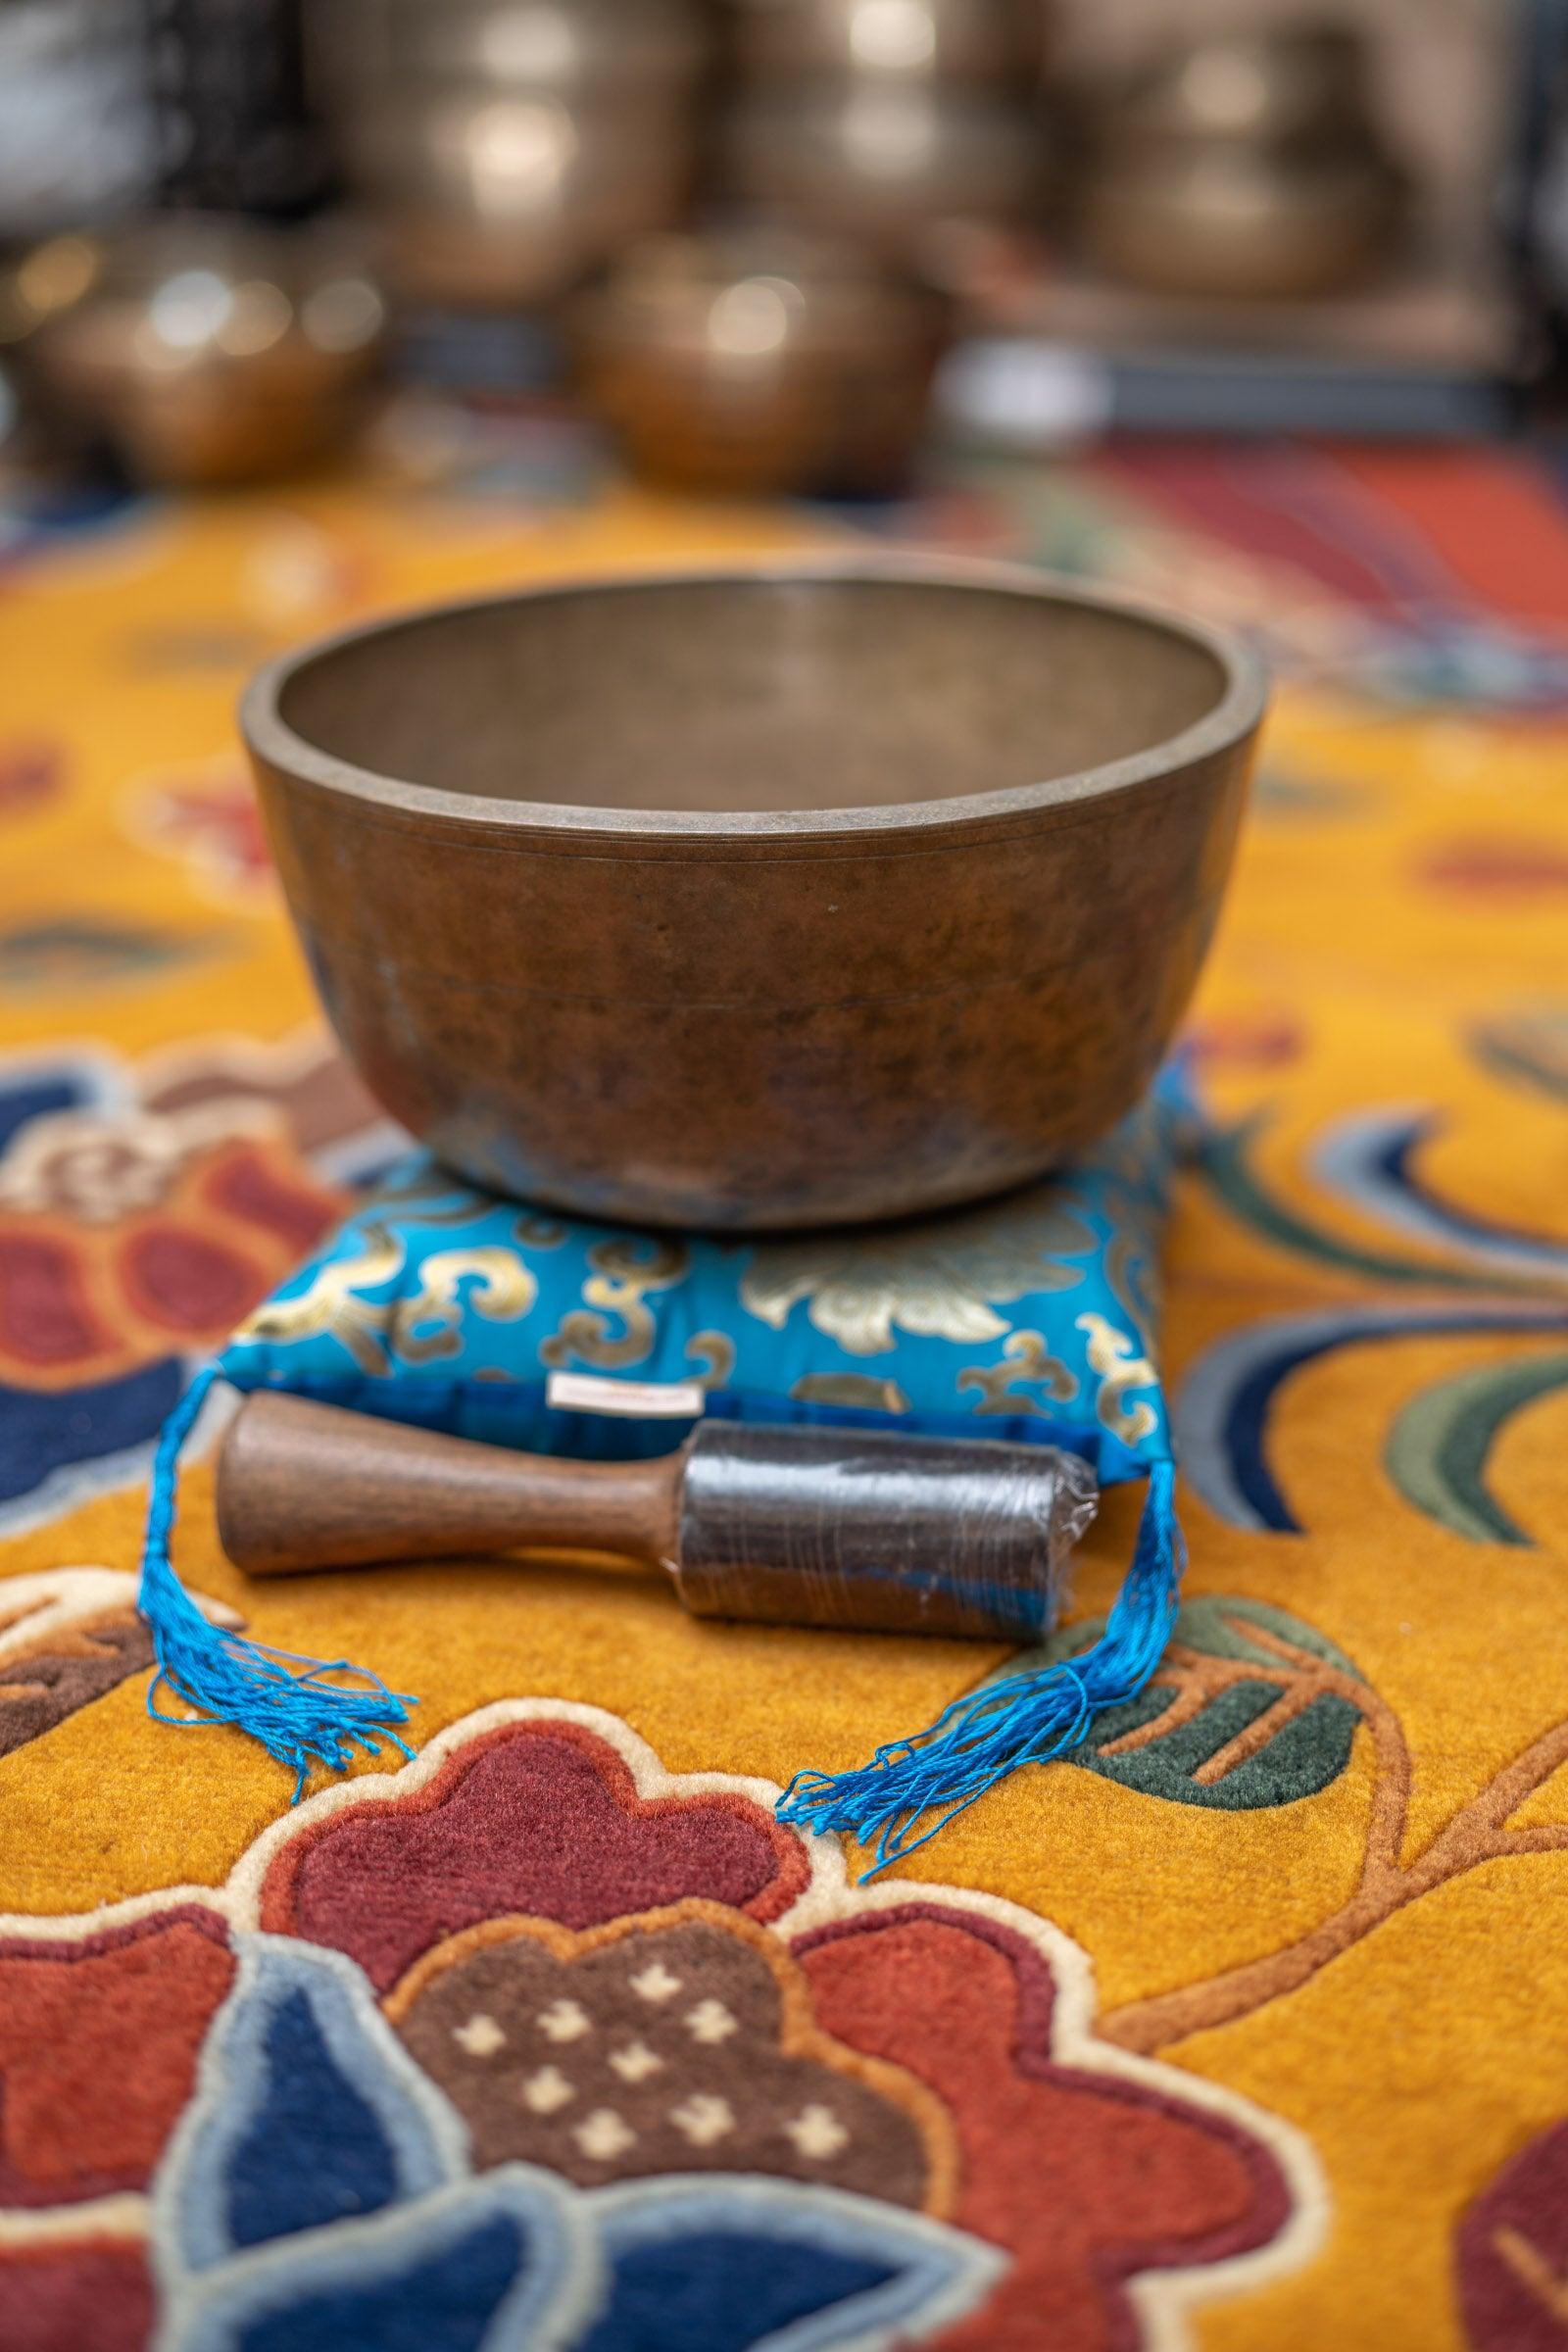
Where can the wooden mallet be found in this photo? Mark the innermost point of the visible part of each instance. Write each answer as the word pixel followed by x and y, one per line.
pixel 825 1526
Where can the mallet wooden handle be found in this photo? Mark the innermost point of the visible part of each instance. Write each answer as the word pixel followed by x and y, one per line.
pixel 306 1486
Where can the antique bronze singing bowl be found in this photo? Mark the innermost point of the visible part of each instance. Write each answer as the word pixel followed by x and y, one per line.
pixel 777 897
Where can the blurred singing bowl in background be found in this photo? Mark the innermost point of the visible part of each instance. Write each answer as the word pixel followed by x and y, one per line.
pixel 1283 83
pixel 486 200
pixel 756 362
pixel 1239 221
pixel 570 48
pixel 990 42
pixel 504 147
pixel 209 349
pixel 884 165
pixel 774 898
pixel 1244 166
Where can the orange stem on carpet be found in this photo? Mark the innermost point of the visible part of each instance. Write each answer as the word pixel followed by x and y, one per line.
pixel 1477 1833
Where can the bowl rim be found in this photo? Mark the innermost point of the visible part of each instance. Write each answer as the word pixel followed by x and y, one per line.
pixel 1234 717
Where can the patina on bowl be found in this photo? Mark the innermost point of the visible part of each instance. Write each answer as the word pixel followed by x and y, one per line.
pixel 779 897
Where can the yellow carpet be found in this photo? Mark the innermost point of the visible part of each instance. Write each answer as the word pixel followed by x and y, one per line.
pixel 1306 1920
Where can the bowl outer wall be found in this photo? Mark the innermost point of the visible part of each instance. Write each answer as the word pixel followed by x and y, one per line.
pixel 762 1020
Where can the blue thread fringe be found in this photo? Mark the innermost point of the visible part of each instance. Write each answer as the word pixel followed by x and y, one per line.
pixel 1032 1718
pixel 281 1699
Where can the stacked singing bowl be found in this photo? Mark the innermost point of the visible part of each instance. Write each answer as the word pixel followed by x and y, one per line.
pixel 1244 166
pixel 885 120
pixel 775 897
pixel 504 147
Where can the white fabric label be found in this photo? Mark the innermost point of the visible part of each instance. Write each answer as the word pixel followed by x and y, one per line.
pixel 633 1399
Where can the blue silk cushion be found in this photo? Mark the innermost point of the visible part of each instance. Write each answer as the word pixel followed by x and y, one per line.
pixel 1027 1317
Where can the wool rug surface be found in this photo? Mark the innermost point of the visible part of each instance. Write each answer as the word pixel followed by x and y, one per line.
pixel 1246 2026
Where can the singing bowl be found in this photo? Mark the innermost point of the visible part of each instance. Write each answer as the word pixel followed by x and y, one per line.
pixel 769 898
pixel 209 350
pixel 359 50
pixel 992 43
pixel 1240 223
pixel 882 164
pixel 486 202
pixel 504 147
pixel 755 362
pixel 1284 85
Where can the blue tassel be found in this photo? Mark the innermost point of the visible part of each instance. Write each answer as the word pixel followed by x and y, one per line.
pixel 284 1702
pixel 1032 1718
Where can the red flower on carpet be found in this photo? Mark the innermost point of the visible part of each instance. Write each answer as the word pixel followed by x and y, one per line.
pixel 99 2037
pixel 145 1209
pixel 612 1978
pixel 124 1234
pixel 1511 2252
pixel 74 2293
pixel 539 1818
pixel 209 819
pixel 1492 868
pixel 1246 1044
pixel 30 776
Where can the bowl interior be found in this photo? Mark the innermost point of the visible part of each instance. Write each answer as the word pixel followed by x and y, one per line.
pixel 752 694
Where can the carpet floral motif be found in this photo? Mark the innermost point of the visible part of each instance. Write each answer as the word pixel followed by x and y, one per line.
pixel 532 2044
pixel 67 1637
pixel 144 1209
